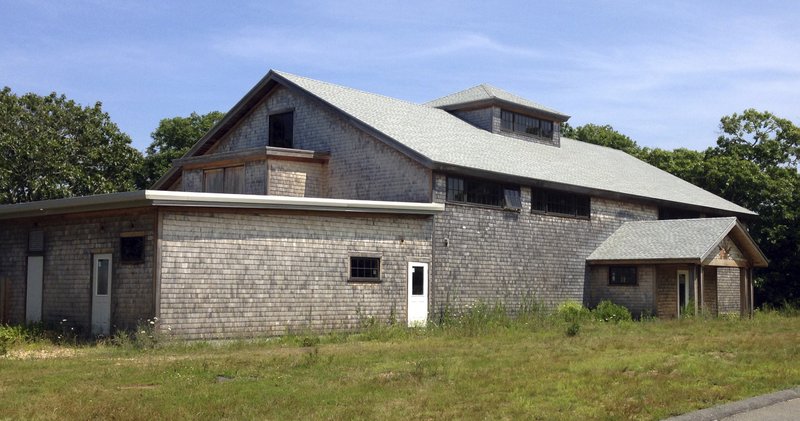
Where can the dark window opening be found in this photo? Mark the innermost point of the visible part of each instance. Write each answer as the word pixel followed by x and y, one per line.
pixel 561 203
pixel 281 129
pixel 131 249
pixel 365 268
pixel 519 123
pixel 622 275
pixel 483 192
pixel 672 213
pixel 512 198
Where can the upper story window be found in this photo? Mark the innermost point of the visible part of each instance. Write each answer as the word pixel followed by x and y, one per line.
pixel 672 213
pixel 560 203
pixel 224 180
pixel 519 123
pixel 483 192
pixel 281 128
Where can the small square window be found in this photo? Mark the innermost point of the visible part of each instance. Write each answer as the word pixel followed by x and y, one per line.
pixel 365 268
pixel 131 249
pixel 281 128
pixel 622 275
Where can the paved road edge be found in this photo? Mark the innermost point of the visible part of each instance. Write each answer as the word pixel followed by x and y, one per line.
pixel 733 408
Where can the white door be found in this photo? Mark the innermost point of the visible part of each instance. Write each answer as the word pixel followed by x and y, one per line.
pixel 101 294
pixel 33 294
pixel 683 290
pixel 417 294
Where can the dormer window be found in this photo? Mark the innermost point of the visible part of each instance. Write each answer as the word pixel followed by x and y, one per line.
pixel 519 123
pixel 281 127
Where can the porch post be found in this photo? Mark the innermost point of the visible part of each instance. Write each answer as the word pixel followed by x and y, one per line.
pixel 752 301
pixel 702 292
pixel 742 292
pixel 694 289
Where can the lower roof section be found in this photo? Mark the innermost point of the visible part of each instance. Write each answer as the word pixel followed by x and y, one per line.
pixel 696 241
pixel 143 198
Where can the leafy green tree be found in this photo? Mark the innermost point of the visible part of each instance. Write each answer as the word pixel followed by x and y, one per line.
pixel 51 147
pixel 601 135
pixel 754 164
pixel 171 139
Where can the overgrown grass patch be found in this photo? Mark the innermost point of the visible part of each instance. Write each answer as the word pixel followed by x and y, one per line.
pixel 489 366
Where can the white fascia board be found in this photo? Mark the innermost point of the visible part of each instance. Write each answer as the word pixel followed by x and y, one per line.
pixel 75 204
pixel 144 198
pixel 252 201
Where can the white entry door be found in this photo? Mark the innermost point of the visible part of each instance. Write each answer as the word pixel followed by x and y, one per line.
pixel 101 294
pixel 33 294
pixel 417 294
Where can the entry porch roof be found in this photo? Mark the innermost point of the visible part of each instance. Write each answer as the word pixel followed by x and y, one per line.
pixel 695 241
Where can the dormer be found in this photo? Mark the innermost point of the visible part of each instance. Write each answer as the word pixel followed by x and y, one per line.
pixel 502 112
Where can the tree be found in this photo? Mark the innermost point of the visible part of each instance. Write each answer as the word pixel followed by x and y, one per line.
pixel 601 135
pixel 755 165
pixel 171 139
pixel 51 147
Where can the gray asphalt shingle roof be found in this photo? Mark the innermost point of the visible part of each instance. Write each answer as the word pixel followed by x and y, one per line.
pixel 689 239
pixel 444 139
pixel 486 92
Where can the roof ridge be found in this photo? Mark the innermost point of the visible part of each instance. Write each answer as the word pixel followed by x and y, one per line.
pixel 284 74
pixel 485 87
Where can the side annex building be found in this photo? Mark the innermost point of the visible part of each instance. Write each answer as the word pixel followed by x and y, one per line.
pixel 313 205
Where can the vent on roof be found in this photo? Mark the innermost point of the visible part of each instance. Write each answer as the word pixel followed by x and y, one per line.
pixel 36 241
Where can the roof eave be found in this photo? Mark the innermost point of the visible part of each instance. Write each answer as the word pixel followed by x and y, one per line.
pixel 507 178
pixel 147 198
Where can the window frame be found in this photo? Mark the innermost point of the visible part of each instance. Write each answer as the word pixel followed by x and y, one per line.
pixel 273 119
pixel 578 209
pixel 515 122
pixel 366 256
pixel 612 269
pixel 459 190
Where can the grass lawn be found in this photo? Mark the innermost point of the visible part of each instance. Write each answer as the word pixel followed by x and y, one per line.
pixel 533 370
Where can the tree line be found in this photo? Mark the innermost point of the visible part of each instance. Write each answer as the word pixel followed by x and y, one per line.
pixel 754 164
pixel 52 147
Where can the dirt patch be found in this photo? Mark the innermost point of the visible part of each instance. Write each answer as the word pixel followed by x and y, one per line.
pixel 41 354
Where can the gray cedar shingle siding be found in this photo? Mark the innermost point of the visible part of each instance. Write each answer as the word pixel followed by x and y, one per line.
pixel 70 242
pixel 494 255
pixel 13 263
pixel 728 280
pixel 232 274
pixel 360 166
pixel 639 299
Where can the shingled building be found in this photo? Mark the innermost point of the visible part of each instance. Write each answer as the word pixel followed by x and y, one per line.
pixel 312 205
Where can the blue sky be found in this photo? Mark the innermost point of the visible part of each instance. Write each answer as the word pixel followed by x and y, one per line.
pixel 660 72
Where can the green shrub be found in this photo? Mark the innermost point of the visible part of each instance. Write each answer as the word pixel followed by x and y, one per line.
pixel 573 329
pixel 572 311
pixel 607 311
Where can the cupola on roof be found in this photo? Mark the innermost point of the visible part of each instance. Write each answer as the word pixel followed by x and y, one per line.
pixel 486 94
